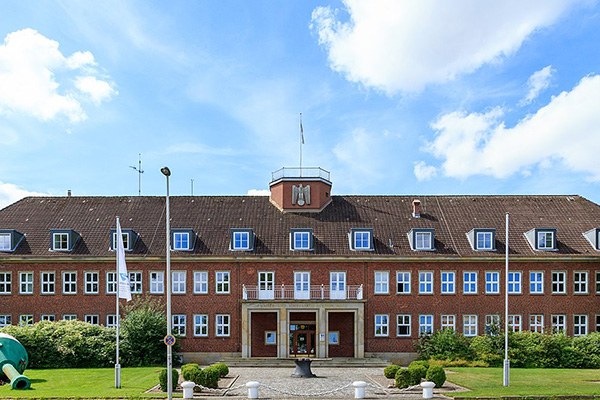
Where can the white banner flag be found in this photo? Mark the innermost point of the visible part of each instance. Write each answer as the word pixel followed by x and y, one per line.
pixel 123 277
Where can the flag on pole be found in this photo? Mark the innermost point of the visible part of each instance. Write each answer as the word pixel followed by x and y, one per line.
pixel 124 289
pixel 301 130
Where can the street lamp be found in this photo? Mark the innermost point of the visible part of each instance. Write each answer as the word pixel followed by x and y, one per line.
pixel 167 173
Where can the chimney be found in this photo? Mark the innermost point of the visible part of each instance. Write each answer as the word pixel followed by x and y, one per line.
pixel 416 208
pixel 69 193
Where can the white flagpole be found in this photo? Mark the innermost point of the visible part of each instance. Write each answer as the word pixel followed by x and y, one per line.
pixel 118 321
pixel 506 380
pixel 123 291
pixel 301 142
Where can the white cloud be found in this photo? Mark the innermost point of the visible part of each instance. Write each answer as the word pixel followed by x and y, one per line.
pixel 9 193
pixel 424 172
pixel 397 46
pixel 538 81
pixel 259 192
pixel 567 130
pixel 97 89
pixel 29 65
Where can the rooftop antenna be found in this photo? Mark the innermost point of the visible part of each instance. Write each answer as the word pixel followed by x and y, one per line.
pixel 140 171
pixel 301 142
pixel 192 186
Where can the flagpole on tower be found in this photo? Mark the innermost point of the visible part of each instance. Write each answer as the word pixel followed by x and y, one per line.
pixel 301 142
pixel 123 292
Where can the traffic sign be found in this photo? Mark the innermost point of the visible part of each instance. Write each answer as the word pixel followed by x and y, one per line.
pixel 169 340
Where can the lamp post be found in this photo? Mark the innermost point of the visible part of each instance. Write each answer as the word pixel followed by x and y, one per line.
pixel 167 173
pixel 506 369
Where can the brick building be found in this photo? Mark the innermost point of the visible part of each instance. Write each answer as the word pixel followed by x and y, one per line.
pixel 306 273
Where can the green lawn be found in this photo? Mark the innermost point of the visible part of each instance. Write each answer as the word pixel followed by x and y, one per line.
pixel 93 382
pixel 525 382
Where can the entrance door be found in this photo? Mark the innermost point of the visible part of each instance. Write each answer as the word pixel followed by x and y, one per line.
pixel 266 284
pixel 302 285
pixel 337 285
pixel 302 343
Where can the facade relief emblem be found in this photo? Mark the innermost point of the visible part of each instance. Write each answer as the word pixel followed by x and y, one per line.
pixel 301 195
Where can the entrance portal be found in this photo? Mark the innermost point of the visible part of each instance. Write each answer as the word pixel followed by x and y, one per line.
pixel 303 332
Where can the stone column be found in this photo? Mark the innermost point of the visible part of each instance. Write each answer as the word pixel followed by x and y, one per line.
pixel 321 329
pixel 245 331
pixel 283 336
pixel 359 331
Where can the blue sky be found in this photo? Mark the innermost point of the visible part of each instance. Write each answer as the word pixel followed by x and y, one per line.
pixel 397 97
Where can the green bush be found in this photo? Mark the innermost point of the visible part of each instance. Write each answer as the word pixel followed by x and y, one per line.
pixel 489 349
pixel 188 370
pixel 162 379
pixel 417 373
pixel 390 371
pixel 211 377
pixel 423 363
pixel 589 348
pixel 403 378
pixel 436 375
pixel 444 345
pixel 222 368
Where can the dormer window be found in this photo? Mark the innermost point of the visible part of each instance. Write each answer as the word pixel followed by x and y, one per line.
pixel 182 239
pixel 593 236
pixel 421 239
pixel 242 240
pixel 129 239
pixel 10 240
pixel 301 239
pixel 361 239
pixel 482 239
pixel 63 239
pixel 542 239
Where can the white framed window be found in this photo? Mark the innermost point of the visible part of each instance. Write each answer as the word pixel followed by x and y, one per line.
pixel 381 325
pixel 402 282
pixel 69 317
pixel 382 282
pixel 126 241
pixel 111 282
pixel 92 282
pixel 515 323
pixel 301 240
pixel 60 241
pixel 559 323
pixel 111 320
pixel 580 282
pixel 536 323
pixel 178 282
pixel 135 282
pixel 423 241
pixel 93 319
pixel 26 282
pixel 157 282
pixel 469 282
pixel 201 325
pixel 337 284
pixel 301 285
pixel 425 282
pixel 559 282
pixel 403 324
pixel 597 322
pixel 425 324
pixel 48 317
pixel 580 324
pixel 222 324
pixel 492 324
pixel 201 282
pixel 536 282
pixel 545 240
pixel 5 282
pixel 484 240
pixel 448 321
pixel 448 282
pixel 5 242
pixel 181 241
pixel 514 282
pixel 240 240
pixel 222 282
pixel 597 282
pixel 69 282
pixel 361 240
pixel 178 324
pixel 5 320
pixel 492 282
pixel 469 325
pixel 48 282
pixel 25 320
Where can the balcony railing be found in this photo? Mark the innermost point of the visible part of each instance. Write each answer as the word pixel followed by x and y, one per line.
pixel 290 292
pixel 304 172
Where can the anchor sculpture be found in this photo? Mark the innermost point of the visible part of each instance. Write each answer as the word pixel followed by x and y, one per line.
pixel 13 361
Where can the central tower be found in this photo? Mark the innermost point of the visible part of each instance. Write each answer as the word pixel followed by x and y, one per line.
pixel 300 189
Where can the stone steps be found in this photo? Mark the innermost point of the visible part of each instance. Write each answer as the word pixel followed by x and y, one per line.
pixel 257 362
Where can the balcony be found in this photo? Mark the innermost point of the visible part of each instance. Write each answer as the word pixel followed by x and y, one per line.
pixel 292 292
pixel 305 172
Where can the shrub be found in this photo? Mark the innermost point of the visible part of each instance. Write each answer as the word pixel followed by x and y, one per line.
pixel 162 379
pixel 222 368
pixel 390 371
pixel 188 370
pixel 417 372
pixel 211 377
pixel 445 345
pixel 436 375
pixel 589 347
pixel 403 378
pixel 489 349
pixel 423 363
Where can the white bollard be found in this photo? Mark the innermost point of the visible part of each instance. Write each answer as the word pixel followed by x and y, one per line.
pixel 188 389
pixel 253 389
pixel 359 389
pixel 427 389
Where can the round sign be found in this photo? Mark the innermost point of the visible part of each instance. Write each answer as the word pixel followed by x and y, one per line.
pixel 169 340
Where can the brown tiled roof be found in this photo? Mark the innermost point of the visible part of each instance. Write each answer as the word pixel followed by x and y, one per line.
pixel 211 217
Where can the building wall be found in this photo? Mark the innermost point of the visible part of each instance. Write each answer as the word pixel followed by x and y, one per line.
pixel 262 322
pixel 342 322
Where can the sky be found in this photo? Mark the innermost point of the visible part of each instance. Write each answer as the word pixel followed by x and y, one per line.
pixel 395 97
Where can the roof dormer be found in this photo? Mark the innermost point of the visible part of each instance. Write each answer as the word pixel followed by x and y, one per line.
pixel 542 239
pixel 10 240
pixel 482 239
pixel 130 238
pixel 63 239
pixel 593 236
pixel 421 239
